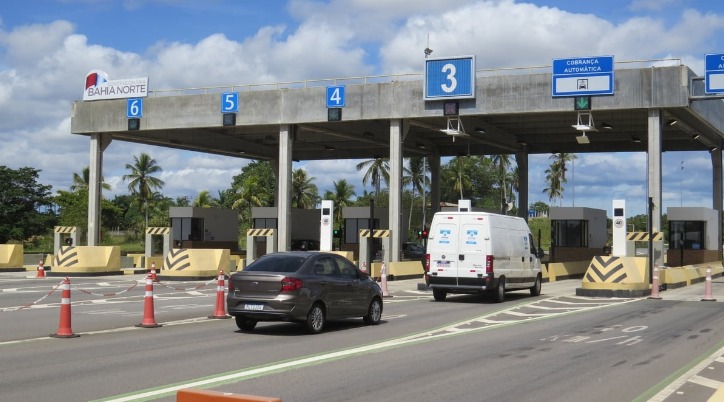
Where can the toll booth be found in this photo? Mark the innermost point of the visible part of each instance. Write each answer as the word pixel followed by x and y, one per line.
pixel 65 236
pixel 206 228
pixel 305 230
pixel 693 237
pixel 359 218
pixel 577 234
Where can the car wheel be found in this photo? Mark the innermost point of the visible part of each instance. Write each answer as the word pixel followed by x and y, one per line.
pixel 439 294
pixel 499 296
pixel 245 324
pixel 535 290
pixel 374 312
pixel 315 319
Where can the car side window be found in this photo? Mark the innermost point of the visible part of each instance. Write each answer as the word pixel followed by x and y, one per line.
pixel 348 270
pixel 325 266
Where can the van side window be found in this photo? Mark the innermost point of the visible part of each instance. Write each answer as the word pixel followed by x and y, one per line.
pixel 532 245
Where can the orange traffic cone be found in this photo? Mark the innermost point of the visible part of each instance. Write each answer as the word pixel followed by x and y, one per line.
pixel 153 272
pixel 707 287
pixel 383 280
pixel 149 321
pixel 220 311
pixel 41 269
pixel 64 330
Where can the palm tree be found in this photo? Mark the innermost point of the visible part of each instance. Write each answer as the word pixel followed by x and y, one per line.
pixel 556 175
pixel 141 181
pixel 502 162
pixel 205 200
pixel 341 196
pixel 378 170
pixel 416 177
pixel 462 181
pixel 82 181
pixel 249 194
pixel 304 192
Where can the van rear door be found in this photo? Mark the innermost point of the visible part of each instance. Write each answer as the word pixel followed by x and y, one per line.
pixel 472 252
pixel 442 246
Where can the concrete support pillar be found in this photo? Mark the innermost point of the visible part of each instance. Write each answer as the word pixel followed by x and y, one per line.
pixel 434 162
pixel 284 201
pixel 521 159
pixel 716 168
pixel 98 143
pixel 654 179
pixel 395 193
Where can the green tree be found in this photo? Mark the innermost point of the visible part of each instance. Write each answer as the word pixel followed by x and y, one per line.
pixel 502 163
pixel 304 192
pixel 205 200
pixel 25 204
pixel 142 183
pixel 341 196
pixel 378 170
pixel 556 175
pixel 416 177
pixel 82 181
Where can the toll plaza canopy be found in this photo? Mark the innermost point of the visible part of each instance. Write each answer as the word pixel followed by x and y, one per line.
pixel 656 106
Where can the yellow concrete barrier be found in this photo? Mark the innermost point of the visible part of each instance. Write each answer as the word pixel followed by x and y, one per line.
pixel 398 270
pixel 11 257
pixel 612 276
pixel 554 271
pixel 138 259
pixel 195 263
pixel 89 260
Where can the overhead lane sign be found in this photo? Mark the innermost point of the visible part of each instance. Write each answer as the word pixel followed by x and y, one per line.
pixel 714 76
pixel 583 76
pixel 449 78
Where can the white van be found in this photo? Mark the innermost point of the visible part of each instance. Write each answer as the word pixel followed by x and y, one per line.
pixel 473 252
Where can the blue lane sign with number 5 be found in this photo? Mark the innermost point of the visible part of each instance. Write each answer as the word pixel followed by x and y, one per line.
pixel 450 78
pixel 134 108
pixel 229 102
pixel 335 96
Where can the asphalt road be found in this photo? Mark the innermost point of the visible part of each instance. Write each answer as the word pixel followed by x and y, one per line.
pixel 556 347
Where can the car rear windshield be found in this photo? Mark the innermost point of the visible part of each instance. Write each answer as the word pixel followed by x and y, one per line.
pixel 279 263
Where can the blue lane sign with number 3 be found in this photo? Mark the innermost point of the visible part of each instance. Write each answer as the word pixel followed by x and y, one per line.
pixel 450 78
pixel 229 102
pixel 335 96
pixel 134 108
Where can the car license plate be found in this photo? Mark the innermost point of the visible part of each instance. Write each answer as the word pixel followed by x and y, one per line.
pixel 257 307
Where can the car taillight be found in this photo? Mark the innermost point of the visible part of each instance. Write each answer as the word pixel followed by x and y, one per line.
pixel 231 284
pixel 290 284
pixel 489 265
pixel 427 262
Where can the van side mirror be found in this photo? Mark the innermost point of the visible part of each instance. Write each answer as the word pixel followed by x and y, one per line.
pixel 541 253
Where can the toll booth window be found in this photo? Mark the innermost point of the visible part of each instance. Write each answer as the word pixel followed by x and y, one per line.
pixel 570 233
pixel 353 226
pixel 687 234
pixel 265 223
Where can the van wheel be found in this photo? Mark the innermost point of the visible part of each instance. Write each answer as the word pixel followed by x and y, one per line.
pixel 499 296
pixel 535 290
pixel 439 294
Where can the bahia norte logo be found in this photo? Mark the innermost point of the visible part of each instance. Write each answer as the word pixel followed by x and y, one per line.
pixel 95 78
pixel 98 86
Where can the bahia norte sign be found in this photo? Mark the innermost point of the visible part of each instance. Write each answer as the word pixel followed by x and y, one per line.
pixel 98 86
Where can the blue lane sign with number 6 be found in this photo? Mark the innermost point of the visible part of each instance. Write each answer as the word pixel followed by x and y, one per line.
pixel 229 102
pixel 134 108
pixel 450 78
pixel 335 96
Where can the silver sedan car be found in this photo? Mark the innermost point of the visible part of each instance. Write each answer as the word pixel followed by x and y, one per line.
pixel 305 287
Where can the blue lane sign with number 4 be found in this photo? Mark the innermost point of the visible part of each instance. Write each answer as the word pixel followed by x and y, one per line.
pixel 229 102
pixel 335 96
pixel 134 108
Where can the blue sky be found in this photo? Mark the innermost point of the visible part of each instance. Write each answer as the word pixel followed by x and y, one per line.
pixel 47 47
